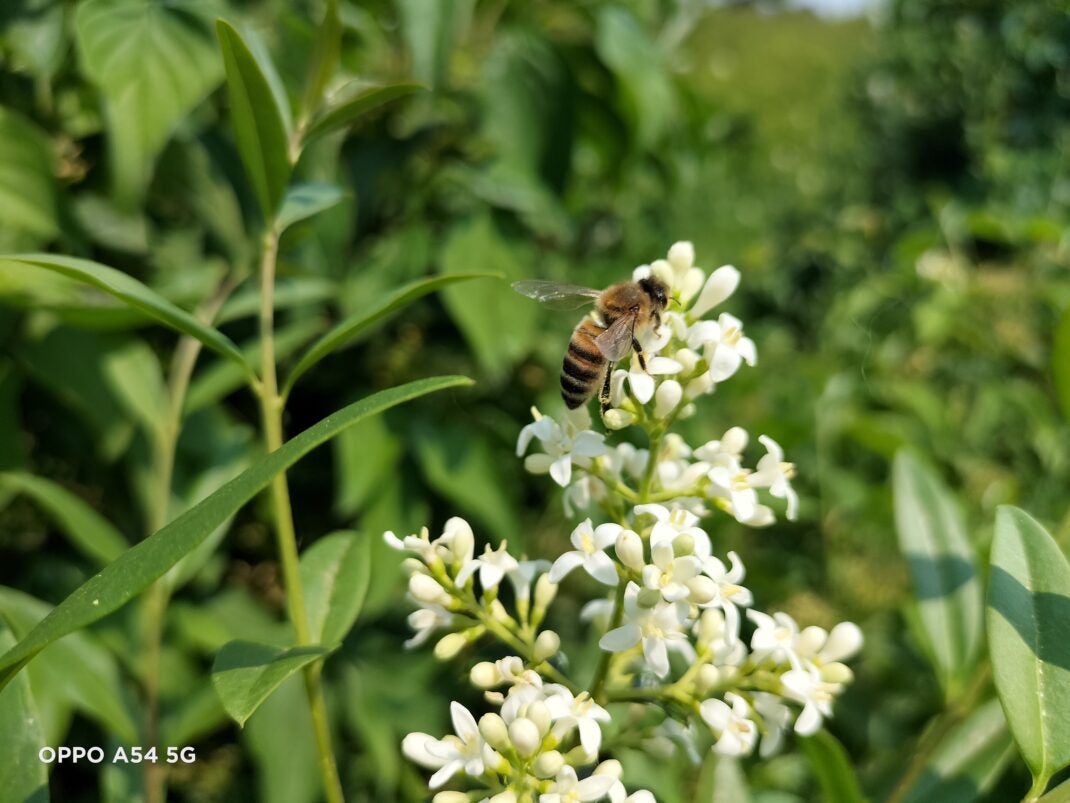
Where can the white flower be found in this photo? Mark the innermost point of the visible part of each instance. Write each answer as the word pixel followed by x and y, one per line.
pixel 723 344
pixel 580 712
pixel 670 524
pixel 426 621
pixel 721 284
pixel 567 788
pixel 668 574
pixel 524 575
pixel 774 638
pixel 590 544
pixel 731 483
pixel 731 444
pixel 776 717
pixel 639 381
pixel 656 628
pixel 736 732
pixel 807 687
pixel 493 565
pixel 729 593
pixel 572 443
pixel 775 474
pixel 453 546
pixel 466 752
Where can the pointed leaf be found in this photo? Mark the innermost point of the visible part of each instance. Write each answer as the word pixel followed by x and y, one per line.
pixel 246 673
pixel 335 572
pixel 140 565
pixel 305 200
pixel 153 62
pixel 25 775
pixel 346 332
pixel 326 51
pixel 259 121
pixel 355 101
pixel 27 187
pixel 832 768
pixel 88 531
pixel 129 290
pixel 943 567
pixel 1028 621
pixel 968 761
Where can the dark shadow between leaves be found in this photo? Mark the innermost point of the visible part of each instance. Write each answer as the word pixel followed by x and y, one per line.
pixel 1041 619
pixel 936 577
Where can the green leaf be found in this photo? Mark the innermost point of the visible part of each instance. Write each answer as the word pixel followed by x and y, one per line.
pixel 140 565
pixel 968 760
pixel 305 200
pixel 1028 621
pixel 354 100
pixel 134 372
pixel 258 119
pixel 1060 363
pixel 943 567
pixel 831 767
pixel 1060 794
pixel 193 718
pixel 27 186
pixel 88 531
pixel 282 743
pixel 346 332
pixel 364 460
pixel 326 51
pixel 430 32
pixel 77 667
pixel 130 291
pixel 721 780
pixel 335 573
pixel 295 292
pixel 246 673
pixel 25 775
pixel 153 62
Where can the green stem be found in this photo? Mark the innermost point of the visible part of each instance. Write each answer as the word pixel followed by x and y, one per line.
pixel 271 407
pixel 601 672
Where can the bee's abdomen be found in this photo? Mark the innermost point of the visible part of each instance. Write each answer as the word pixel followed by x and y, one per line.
pixel 583 365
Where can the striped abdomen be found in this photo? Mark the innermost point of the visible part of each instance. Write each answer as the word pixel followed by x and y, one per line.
pixel 584 365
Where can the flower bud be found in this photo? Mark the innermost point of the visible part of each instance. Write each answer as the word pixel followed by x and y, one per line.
pixel 615 418
pixel 681 257
pixel 836 672
pixel 577 756
pixel 549 764
pixel 683 544
pixel 546 646
pixel 648 597
pixel 485 675
pixel 706 679
pixel 497 610
pixel 721 284
pixel 609 767
pixel 539 713
pixel 495 731
pixel 450 797
pixel 687 358
pixel 412 566
pixel 700 385
pixel 667 397
pixel 449 645
pixel 525 736
pixel 424 589
pixel 503 797
pixel 629 549
pixel 710 625
pixel 702 588
pixel 545 591
pixel 462 542
pixel 686 412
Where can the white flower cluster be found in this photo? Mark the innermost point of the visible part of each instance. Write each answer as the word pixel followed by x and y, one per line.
pixel 677 630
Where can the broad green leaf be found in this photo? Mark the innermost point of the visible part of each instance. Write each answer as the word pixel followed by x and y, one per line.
pixel 27 186
pixel 153 62
pixel 943 567
pixel 88 531
pixel 348 331
pixel 831 767
pixel 1060 362
pixel 280 739
pixel 258 119
pixel 25 775
pixel 430 32
pixel 335 572
pixel 302 201
pixel 147 561
pixel 77 667
pixel 352 102
pixel 968 761
pixel 130 291
pixel 223 378
pixel 326 51
pixel 134 371
pixel 364 460
pixel 1060 794
pixel 1028 621
pixel 246 673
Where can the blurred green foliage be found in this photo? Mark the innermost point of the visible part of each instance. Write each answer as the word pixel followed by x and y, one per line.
pixel 895 192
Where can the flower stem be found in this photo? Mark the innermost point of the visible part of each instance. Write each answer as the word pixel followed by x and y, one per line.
pixel 601 672
pixel 271 407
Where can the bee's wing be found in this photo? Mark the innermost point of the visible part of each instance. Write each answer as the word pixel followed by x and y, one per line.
pixel 557 295
pixel 615 342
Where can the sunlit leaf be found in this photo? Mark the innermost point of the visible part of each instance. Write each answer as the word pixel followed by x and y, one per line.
pixel 27 186
pixel 258 119
pixel 323 61
pixel 347 332
pixel 335 572
pixel 25 775
pixel 430 32
pixel 1028 621
pixel 831 767
pixel 139 566
pixel 246 673
pixel 88 531
pixel 943 567
pixel 354 101
pixel 153 62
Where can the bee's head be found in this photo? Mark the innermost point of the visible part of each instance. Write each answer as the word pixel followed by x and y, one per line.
pixel 657 291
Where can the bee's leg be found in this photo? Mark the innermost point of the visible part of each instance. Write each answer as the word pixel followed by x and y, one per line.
pixel 638 349
pixel 603 397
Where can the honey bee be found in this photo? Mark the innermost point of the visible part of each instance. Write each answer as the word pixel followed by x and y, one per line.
pixel 605 336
